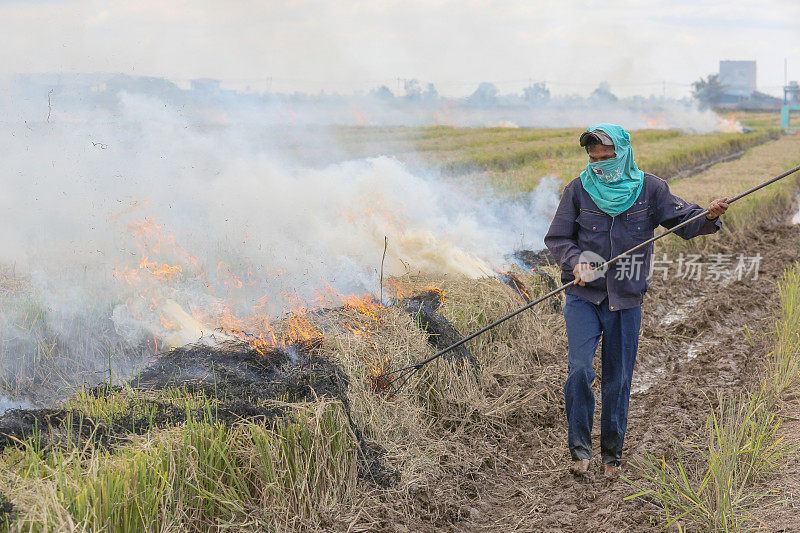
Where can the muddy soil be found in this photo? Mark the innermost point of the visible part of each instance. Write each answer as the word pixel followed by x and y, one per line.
pixel 521 483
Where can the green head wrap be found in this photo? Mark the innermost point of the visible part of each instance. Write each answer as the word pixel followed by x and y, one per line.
pixel 614 184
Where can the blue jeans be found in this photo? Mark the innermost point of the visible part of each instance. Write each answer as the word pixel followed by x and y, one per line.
pixel 586 323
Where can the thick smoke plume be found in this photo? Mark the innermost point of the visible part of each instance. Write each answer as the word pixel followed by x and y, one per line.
pixel 135 223
pixel 140 223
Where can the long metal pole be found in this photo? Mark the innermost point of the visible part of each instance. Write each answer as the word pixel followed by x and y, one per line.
pixel 601 267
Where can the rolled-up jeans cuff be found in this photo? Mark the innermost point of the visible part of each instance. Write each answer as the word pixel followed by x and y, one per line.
pixel 580 454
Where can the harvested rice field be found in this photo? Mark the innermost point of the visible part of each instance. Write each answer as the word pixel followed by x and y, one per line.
pixel 292 419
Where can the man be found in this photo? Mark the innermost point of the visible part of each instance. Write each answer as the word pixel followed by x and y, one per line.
pixel 610 208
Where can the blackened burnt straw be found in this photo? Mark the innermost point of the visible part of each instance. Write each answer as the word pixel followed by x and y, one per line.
pixel 397 378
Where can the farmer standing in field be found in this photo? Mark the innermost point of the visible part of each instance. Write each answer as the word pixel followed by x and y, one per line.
pixel 610 208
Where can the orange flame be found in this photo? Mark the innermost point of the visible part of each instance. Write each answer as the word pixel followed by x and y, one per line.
pixel 655 122
pixel 161 263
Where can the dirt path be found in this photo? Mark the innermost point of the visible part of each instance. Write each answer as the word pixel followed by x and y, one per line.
pixel 685 359
pixel 699 354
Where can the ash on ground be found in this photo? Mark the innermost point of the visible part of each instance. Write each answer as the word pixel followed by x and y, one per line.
pixel 240 379
pixel 239 372
pixel 6 511
pixel 535 262
pixel 534 259
pixel 423 308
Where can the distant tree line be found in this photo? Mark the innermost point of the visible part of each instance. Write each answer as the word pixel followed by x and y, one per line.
pixel 708 91
pixel 487 94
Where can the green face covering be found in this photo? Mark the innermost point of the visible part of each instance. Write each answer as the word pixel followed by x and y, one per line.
pixel 614 184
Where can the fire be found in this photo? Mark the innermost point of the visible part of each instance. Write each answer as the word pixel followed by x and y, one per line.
pixel 162 268
pixel 228 278
pixel 160 271
pixel 363 304
pixel 394 286
pixel 655 122
pixel 149 238
pixel 359 116
pixel 378 378
pixel 148 269
pixel 515 283
pixel 297 326
pixel 730 124
pixel 442 294
pixel 163 265
pixel 255 330
pixel 363 322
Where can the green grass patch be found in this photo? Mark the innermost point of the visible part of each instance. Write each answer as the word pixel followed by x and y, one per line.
pixel 198 476
pixel 708 486
pixel 667 163
pixel 519 168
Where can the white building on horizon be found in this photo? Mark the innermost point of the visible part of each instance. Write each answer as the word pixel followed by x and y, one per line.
pixel 738 78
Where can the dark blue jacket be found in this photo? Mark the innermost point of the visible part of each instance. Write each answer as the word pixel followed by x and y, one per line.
pixel 579 225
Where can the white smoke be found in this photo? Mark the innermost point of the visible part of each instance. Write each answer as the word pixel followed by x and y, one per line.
pixel 141 223
pixel 74 97
pixel 246 225
pixel 557 113
pixel 7 404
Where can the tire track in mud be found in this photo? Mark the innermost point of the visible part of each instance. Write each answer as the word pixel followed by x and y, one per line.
pixel 684 361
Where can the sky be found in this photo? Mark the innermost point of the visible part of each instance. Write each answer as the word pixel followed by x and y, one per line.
pixel 638 47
